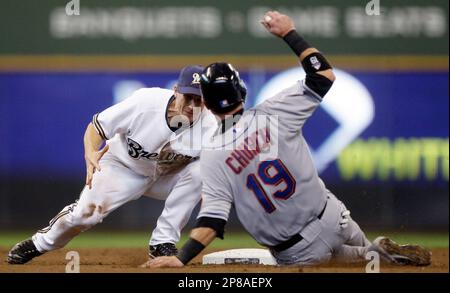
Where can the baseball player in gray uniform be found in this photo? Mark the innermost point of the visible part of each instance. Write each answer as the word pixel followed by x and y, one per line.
pixel 260 162
pixel 153 142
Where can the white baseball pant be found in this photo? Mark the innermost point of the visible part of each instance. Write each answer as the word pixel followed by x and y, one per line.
pixel 116 185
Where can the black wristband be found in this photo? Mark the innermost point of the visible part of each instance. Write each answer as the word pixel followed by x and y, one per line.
pixel 190 250
pixel 296 42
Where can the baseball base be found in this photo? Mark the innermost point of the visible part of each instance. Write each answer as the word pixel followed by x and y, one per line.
pixel 240 256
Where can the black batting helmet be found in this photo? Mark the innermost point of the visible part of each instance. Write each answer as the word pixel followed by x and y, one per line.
pixel 222 88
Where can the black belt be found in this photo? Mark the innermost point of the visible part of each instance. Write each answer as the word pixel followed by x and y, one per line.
pixel 296 238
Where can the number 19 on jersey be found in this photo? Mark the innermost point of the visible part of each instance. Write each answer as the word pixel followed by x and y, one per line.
pixel 271 173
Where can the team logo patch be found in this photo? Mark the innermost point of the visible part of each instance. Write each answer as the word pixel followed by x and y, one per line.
pixel 315 62
pixel 136 151
pixel 195 78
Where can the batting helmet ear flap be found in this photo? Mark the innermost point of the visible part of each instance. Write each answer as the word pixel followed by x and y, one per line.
pixel 204 78
pixel 243 89
pixel 240 85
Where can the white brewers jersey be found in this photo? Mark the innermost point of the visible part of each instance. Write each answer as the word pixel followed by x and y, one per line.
pixel 139 135
pixel 263 165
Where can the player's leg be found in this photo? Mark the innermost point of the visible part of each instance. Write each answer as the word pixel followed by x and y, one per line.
pixel 397 254
pixel 388 250
pixel 318 239
pixel 111 188
pixel 307 252
pixel 355 244
pixel 350 254
pixel 355 235
pixel 324 236
pixel 182 192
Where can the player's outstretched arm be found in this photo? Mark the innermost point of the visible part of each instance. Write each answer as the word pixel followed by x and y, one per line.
pixel 319 74
pixel 200 238
pixel 92 154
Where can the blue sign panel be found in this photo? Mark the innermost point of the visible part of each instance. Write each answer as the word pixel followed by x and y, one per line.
pixel 371 127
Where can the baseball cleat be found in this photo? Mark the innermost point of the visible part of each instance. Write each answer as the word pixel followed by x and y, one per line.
pixel 163 249
pixel 402 254
pixel 22 252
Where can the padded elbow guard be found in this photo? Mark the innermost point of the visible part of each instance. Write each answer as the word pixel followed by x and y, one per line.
pixel 316 82
pixel 214 223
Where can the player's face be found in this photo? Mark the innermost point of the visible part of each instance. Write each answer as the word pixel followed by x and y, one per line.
pixel 190 105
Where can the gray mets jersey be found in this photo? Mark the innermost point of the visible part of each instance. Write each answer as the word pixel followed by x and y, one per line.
pixel 263 166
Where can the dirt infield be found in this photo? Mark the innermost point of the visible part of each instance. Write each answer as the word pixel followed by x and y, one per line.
pixel 127 260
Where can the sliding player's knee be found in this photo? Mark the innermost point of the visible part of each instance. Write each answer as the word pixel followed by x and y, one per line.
pixel 87 216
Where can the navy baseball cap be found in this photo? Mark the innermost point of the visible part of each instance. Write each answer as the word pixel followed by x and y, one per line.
pixel 189 80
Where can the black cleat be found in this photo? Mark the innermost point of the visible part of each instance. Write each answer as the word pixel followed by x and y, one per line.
pixel 163 249
pixel 402 254
pixel 23 252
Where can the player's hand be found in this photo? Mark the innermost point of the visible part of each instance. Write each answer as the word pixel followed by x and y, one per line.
pixel 92 163
pixel 163 262
pixel 277 24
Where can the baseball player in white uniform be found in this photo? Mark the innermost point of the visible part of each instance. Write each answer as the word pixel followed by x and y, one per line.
pixel 259 161
pixel 153 141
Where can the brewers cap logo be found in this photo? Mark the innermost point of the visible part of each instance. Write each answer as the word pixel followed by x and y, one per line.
pixel 195 78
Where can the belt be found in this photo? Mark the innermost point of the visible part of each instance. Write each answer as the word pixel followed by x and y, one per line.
pixel 296 238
